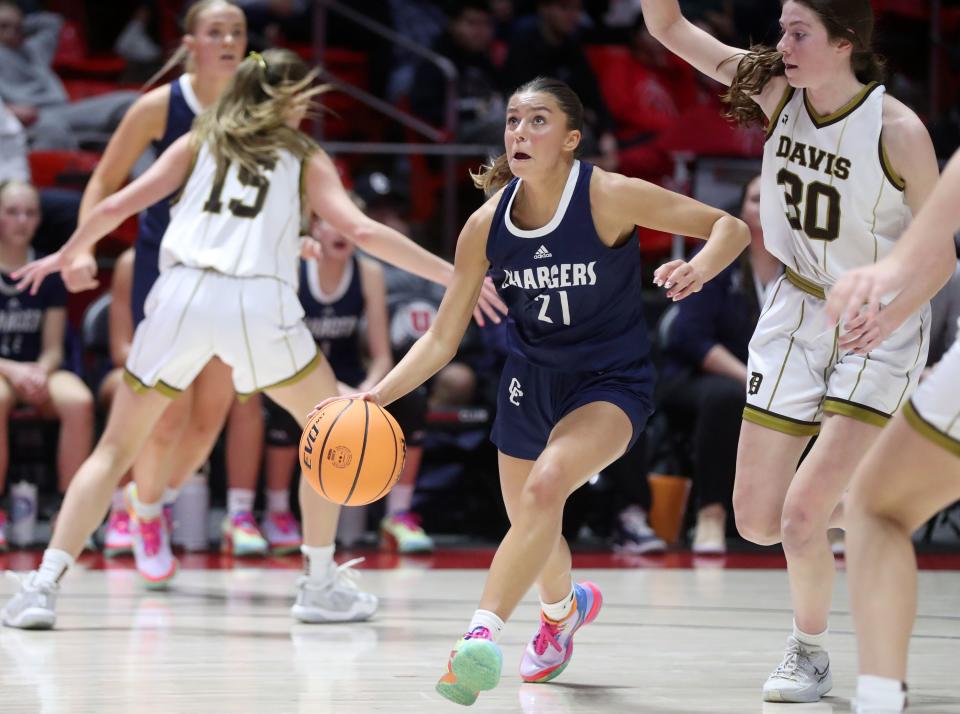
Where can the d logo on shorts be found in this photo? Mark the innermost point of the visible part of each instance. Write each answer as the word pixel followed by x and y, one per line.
pixel 756 379
pixel 515 392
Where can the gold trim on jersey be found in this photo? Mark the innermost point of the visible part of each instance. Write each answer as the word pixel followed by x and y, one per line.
pixel 808 286
pixel 775 117
pixel 293 379
pixel 860 412
pixel 928 430
pixel 898 182
pixel 778 422
pixel 139 386
pixel 858 99
pixel 178 194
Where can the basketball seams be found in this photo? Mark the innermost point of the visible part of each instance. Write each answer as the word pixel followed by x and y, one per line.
pixel 363 449
pixel 323 450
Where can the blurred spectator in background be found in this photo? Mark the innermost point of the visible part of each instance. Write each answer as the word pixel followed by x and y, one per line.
pixel 480 105
pixel 32 335
pixel 704 381
pixel 549 45
pixel 13 146
pixel 35 94
pixel 646 90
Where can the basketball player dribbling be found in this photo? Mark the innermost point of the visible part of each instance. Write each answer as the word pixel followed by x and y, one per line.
pixel 227 289
pixel 576 391
pixel 844 167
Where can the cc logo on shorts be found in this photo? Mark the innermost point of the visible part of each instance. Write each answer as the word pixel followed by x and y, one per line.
pixel 340 456
pixel 515 392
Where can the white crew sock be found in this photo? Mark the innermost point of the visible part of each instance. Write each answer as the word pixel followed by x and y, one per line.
pixel 239 500
pixel 170 496
pixel 558 611
pixel 145 511
pixel 880 693
pixel 318 562
pixel 489 620
pixel 399 499
pixel 278 501
pixel 54 565
pixel 811 642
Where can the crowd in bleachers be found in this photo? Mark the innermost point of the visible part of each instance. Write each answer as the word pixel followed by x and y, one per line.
pixel 66 77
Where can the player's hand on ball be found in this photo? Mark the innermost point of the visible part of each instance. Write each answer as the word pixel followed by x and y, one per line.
pixel 680 278
pixel 366 396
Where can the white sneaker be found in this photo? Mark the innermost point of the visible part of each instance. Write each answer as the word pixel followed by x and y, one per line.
pixel 710 536
pixel 873 710
pixel 334 599
pixel 32 608
pixel 802 676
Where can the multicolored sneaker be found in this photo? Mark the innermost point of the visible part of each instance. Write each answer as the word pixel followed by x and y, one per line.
pixel 117 539
pixel 549 652
pixel 3 531
pixel 240 536
pixel 402 532
pixel 151 545
pixel 474 666
pixel 282 532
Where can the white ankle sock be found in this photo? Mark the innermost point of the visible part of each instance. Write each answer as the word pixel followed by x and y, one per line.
pixel 399 499
pixel 278 501
pixel 54 565
pixel 880 693
pixel 117 502
pixel 317 562
pixel 146 511
pixel 811 642
pixel 489 620
pixel 170 495
pixel 239 500
pixel 557 611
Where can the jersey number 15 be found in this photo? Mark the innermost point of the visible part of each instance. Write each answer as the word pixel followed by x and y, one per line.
pixel 237 207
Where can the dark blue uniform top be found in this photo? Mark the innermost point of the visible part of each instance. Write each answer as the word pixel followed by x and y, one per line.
pixel 21 316
pixel 333 319
pixel 154 220
pixel 575 304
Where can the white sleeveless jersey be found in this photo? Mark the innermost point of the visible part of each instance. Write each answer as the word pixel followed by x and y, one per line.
pixel 243 225
pixel 829 201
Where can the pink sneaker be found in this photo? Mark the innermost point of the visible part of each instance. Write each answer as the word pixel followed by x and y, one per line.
pixel 282 532
pixel 151 546
pixel 240 536
pixel 117 539
pixel 549 652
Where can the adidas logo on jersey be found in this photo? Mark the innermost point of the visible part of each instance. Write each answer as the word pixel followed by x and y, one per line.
pixel 542 252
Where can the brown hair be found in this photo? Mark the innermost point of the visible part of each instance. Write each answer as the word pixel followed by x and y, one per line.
pixel 182 54
pixel 248 123
pixel 850 20
pixel 495 175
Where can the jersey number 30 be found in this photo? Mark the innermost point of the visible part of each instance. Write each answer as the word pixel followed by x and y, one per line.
pixel 808 207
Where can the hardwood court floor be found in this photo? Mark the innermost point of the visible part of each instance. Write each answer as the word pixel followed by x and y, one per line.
pixel 683 640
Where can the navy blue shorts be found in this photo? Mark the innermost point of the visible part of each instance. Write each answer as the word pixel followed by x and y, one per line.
pixel 146 270
pixel 531 400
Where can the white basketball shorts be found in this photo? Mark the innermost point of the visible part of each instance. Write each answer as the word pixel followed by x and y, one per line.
pixel 796 371
pixel 255 325
pixel 934 409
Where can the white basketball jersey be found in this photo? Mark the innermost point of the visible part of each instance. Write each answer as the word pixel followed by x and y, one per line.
pixel 829 201
pixel 243 225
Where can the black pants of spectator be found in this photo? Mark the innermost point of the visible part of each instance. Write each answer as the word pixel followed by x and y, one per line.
pixel 710 407
pixel 59 208
pixel 628 477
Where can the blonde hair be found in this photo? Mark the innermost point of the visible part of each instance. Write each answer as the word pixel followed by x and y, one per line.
pixel 248 123
pixel 182 55
pixel 17 183
pixel 497 174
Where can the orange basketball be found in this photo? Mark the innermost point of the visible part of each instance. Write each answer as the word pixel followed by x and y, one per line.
pixel 352 452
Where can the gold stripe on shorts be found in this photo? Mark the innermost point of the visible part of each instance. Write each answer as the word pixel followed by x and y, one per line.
pixel 139 386
pixel 778 422
pixel 928 430
pixel 860 412
pixel 300 374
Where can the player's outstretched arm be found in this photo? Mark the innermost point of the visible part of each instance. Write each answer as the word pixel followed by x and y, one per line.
pixel 164 177
pixel 438 346
pixel 924 255
pixel 330 201
pixel 633 201
pixel 911 153
pixel 667 24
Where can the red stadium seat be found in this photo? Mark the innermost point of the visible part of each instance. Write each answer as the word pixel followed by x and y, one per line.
pixel 67 169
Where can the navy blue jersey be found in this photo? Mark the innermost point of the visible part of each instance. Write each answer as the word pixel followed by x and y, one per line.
pixel 21 316
pixel 574 303
pixel 333 319
pixel 181 111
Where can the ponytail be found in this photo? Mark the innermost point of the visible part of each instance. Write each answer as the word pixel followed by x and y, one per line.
pixel 493 176
pixel 757 67
pixel 179 57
